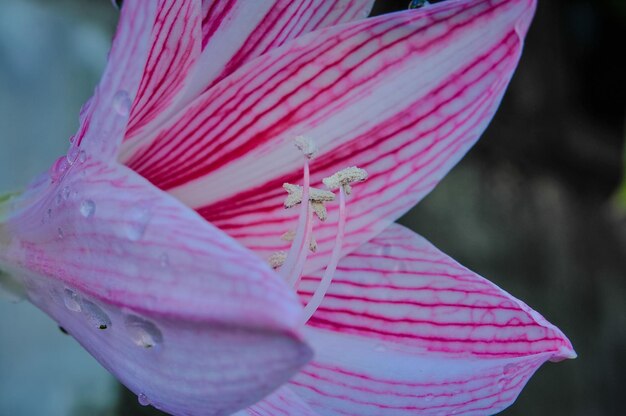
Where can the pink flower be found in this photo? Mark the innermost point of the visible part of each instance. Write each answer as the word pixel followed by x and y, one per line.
pixel 149 240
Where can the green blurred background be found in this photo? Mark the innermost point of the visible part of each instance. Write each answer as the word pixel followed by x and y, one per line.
pixel 533 207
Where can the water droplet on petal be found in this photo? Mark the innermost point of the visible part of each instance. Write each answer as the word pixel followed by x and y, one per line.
pixel 72 154
pixel 142 332
pixel 143 399
pixel 122 103
pixel 82 156
pixel 71 300
pixel 87 208
pixel 501 383
pixel 137 223
pixel 65 193
pixel 429 398
pixel 58 169
pixel 95 315
pixel 60 233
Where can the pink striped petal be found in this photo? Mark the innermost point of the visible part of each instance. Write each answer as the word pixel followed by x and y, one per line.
pixel 283 402
pixel 229 33
pixel 403 96
pixel 104 116
pixel 175 46
pixel 235 32
pixel 406 330
pixel 195 324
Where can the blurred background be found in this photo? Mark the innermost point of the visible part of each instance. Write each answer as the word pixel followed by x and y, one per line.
pixel 535 207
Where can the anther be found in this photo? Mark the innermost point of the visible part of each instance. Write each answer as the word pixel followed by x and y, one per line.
pixel 291 235
pixel 288 235
pixel 317 197
pixel 306 146
pixel 277 259
pixel 344 178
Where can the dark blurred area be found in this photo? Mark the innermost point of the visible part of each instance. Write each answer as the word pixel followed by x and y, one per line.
pixel 532 207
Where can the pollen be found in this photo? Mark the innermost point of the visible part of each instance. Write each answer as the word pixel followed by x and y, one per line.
pixel 277 259
pixel 317 197
pixel 344 178
pixel 289 235
pixel 306 146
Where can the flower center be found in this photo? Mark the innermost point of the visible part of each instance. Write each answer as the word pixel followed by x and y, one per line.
pixel 312 201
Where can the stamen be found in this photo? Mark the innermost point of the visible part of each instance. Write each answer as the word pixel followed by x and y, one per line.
pixel 344 178
pixel 303 231
pixel 277 259
pixel 317 197
pixel 290 235
pixel 329 273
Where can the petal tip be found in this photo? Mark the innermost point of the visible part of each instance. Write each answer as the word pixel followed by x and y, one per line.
pixel 565 352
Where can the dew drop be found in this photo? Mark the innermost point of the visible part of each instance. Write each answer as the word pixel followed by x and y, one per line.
pixel 58 169
pixel 72 154
pixel 142 332
pixel 72 138
pixel 65 193
pixel 122 103
pixel 87 208
pixel 71 300
pixel 60 233
pixel 143 399
pixel 95 315
pixel 429 398
pixel 82 156
pixel 137 223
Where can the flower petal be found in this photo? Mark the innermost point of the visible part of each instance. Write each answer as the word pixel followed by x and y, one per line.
pixel 195 323
pixel 156 44
pixel 234 33
pixel 283 402
pixel 229 33
pixel 403 95
pixel 175 46
pixel 104 116
pixel 404 329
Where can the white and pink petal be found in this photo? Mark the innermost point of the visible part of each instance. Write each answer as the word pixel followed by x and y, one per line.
pixel 198 45
pixel 403 95
pixel 283 402
pixel 404 330
pixel 178 311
